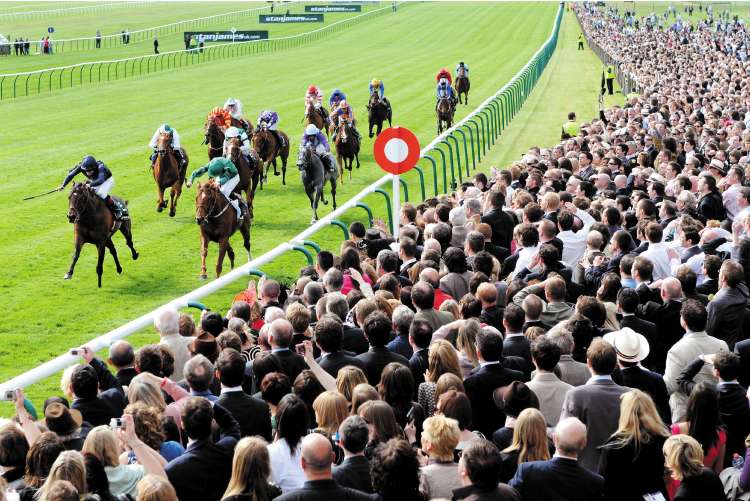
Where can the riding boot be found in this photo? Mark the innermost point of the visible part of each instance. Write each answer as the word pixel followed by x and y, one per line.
pixel 328 162
pixel 153 158
pixel 279 139
pixel 114 207
pixel 335 133
pixel 236 201
pixel 180 157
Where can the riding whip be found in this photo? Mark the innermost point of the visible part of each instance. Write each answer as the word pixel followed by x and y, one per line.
pixel 43 194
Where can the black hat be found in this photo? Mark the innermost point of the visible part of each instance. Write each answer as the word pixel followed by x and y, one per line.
pixel 514 398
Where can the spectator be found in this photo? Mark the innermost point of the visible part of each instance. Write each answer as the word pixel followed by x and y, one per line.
pixel 153 488
pixel 548 388
pixel 572 372
pixel 439 477
pixel 148 428
pixel 395 472
pixel 167 324
pixel 69 467
pixel 377 328
pixel 423 298
pixel 381 422
pixel 727 309
pixel 529 443
pixel 402 320
pixel 95 408
pixel 329 332
pixel 442 359
pixel 251 468
pixel 479 470
pixel 13 451
pixel 684 458
pixel 280 337
pixel 455 404
pixel 122 358
pixel 354 471
pixel 420 336
pixel 291 425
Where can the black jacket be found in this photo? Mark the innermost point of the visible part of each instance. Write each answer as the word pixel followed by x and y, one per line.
pixel 418 364
pixel 251 413
pixel 703 487
pixel 667 319
pixel 323 490
pixel 651 383
pixel 743 350
pixel 726 314
pixel 376 359
pixel 332 362
pixel 517 346
pixel 101 409
pixel 493 316
pixel 125 376
pixel 354 340
pixel 559 479
pixel 629 474
pixel 354 472
pixel 291 362
pixel 479 385
pixel 711 206
pixel 708 287
pixel 502 226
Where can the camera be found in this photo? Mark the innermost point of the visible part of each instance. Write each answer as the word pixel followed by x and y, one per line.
pixel 75 352
pixel 115 423
pixel 9 395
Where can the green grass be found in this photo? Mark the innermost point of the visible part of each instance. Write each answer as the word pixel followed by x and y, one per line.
pixel 134 19
pixel 43 136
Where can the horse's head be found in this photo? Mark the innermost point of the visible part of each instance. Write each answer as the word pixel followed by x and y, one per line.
pixel 79 200
pixel 344 130
pixel 232 148
pixel 206 201
pixel 164 144
pixel 212 133
pixel 374 99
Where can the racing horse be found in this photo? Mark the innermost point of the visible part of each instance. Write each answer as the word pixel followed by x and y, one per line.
pixel 315 117
pixel 268 150
pixel 444 114
pixel 377 113
pixel 314 176
pixel 213 132
pixel 218 222
pixel 93 223
pixel 462 87
pixel 168 173
pixel 249 174
pixel 347 149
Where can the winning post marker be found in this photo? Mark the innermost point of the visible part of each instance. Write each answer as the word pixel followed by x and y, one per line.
pixel 396 151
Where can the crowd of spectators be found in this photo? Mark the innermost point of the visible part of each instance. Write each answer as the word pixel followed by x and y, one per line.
pixel 572 327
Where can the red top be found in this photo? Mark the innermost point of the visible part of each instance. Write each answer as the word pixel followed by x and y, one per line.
pixel 440 298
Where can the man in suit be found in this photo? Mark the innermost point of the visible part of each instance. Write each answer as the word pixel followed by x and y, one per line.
pixel 328 334
pixel 642 272
pixel 251 413
pixel 627 305
pixel 316 459
pixel 402 318
pixel 492 314
pixel 666 318
pixel 423 299
pixel 515 343
pixel 727 310
pixel 204 470
pixel 485 379
pixel 377 328
pixel 420 336
pixel 354 471
pixel 632 348
pixel 549 389
pixel 353 339
pixel 554 291
pixel 742 349
pixel 167 323
pixel 479 471
pixel 407 253
pixel 500 222
pixel 597 403
pixel 561 478
pixel 95 407
pixel 122 358
pixel 694 343
pixel 279 337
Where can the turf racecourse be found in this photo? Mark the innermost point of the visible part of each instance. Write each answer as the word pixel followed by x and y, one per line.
pixel 44 136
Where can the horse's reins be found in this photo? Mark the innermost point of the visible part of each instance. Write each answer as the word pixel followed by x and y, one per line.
pixel 88 203
pixel 213 205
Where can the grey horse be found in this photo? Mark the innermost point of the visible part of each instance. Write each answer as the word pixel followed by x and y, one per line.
pixel 314 176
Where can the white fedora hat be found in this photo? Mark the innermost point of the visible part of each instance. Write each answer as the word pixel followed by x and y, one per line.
pixel 629 345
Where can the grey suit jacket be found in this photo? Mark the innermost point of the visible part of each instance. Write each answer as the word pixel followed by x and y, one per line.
pixel 572 372
pixel 435 318
pixel 597 405
pixel 551 393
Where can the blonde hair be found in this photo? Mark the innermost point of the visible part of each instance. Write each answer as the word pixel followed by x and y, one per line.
pixel 102 443
pixel 143 390
pixel 153 488
pixel 447 382
pixel 65 379
pixel 361 394
pixel 467 338
pixel 639 420
pixel 68 466
pixel 347 378
pixel 251 465
pixel 330 411
pixel 299 316
pixel 683 455
pixel 443 434
pixel 530 437
pixel 451 306
pixel 442 358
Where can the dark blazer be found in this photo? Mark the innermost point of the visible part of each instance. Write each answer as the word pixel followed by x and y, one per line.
pixel 377 358
pixel 291 362
pixel 493 316
pixel 646 294
pixel 354 472
pixel 559 479
pixel 726 314
pixel 102 408
pixel 743 350
pixel 651 383
pixel 703 487
pixel 667 319
pixel 332 362
pixel 418 364
pixel 502 492
pixel 517 346
pixel 125 376
pixel 629 473
pixel 502 226
pixel 708 287
pixel 479 385
pixel 354 340
pixel 324 490
pixel 735 414
pixel 400 344
pixel 203 472
pixel 251 413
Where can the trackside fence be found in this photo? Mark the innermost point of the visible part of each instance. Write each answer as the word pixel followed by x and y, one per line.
pixel 483 126
pixel 14 85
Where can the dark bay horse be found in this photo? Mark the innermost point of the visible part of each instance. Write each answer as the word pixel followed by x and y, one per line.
pixel 213 136
pixel 314 176
pixel 462 87
pixel 218 221
pixel 347 149
pixel 377 113
pixel 315 117
pixel 264 142
pixel 93 224
pixel 168 173
pixel 444 114
pixel 249 174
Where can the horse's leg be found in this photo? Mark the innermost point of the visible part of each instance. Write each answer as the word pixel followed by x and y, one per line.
pixel 342 165
pixel 160 201
pixel 371 126
pixel 283 168
pixel 314 203
pixel 112 250
pixel 174 196
pixel 126 230
pixel 333 191
pixel 245 231
pixel 204 253
pixel 380 127
pixel 230 253
pixel 100 263
pixel 275 170
pixel 222 251
pixel 76 254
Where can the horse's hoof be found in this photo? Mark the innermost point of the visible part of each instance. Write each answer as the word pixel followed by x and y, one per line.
pixel 68 276
pixel 371 136
pixel 313 220
pixel 159 208
pixel 119 271
pixel 203 277
pixel 276 173
pixel 135 256
pixel 171 213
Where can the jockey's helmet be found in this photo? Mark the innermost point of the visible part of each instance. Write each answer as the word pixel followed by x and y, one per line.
pixel 232 132
pixel 166 128
pixel 342 104
pixel 312 90
pixel 89 163
pixel 461 63
pixel 336 92
pixel 375 82
pixel 231 102
pixel 311 130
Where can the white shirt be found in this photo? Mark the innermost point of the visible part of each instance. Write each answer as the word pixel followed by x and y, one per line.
pixel 230 389
pixel 524 257
pixel 657 254
pixel 730 200
pixel 286 468
pixel 574 244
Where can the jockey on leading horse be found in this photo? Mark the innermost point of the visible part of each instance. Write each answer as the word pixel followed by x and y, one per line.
pixel 270 120
pixel 100 179
pixel 224 170
pixel 462 70
pixel 315 96
pixel 344 114
pixel 317 141
pixel 376 86
pixel 174 141
pixel 233 132
pixel 234 107
pixel 444 88
pixel 336 97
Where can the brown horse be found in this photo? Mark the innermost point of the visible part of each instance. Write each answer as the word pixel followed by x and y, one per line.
pixel 168 173
pixel 462 87
pixel 93 223
pixel 218 221
pixel 444 114
pixel 347 149
pixel 315 117
pixel 249 174
pixel 213 136
pixel 378 112
pixel 264 142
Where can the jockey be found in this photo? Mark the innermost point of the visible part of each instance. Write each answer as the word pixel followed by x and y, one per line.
pixel 443 73
pixel 336 97
pixel 175 143
pixel 462 70
pixel 233 132
pixel 315 139
pixel 344 113
pixel 234 107
pixel 315 96
pixel 100 179
pixel 444 90
pixel 376 85
pixel 225 172
pixel 270 120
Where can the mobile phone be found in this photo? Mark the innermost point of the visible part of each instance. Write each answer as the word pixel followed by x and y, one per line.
pixel 75 352
pixel 115 423
pixel 300 349
pixel 10 395
pixel 336 437
pixel 410 415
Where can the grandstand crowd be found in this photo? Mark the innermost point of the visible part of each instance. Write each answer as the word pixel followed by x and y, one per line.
pixel 572 327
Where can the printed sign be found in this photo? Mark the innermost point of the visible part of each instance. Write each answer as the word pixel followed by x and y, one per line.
pixel 228 36
pixel 50 30
pixel 396 150
pixel 291 18
pixel 333 8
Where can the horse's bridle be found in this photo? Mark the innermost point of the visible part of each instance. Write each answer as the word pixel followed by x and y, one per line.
pixel 207 137
pixel 78 210
pixel 211 208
